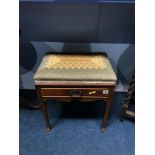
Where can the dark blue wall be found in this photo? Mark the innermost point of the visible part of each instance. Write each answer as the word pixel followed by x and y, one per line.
pixel 77 22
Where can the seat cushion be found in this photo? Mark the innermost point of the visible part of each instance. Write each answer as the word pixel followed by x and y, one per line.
pixel 75 67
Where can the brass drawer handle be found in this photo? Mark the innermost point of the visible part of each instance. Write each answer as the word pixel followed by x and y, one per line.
pixel 92 92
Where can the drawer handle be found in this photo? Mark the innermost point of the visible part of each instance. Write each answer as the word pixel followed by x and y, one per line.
pixel 92 92
pixel 75 93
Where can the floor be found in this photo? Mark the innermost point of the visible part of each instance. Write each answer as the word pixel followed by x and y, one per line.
pixel 76 130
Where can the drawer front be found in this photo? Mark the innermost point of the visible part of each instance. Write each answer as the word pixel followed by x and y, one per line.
pixel 75 92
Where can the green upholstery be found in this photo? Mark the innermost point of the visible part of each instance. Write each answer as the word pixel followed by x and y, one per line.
pixel 75 67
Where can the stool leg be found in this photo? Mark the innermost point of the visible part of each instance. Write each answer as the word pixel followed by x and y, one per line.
pixel 45 114
pixel 44 109
pixel 106 113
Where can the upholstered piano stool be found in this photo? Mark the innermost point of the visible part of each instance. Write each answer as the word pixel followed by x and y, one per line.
pixel 83 77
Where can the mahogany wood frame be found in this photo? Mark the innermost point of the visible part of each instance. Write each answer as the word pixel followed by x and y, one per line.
pixel 45 92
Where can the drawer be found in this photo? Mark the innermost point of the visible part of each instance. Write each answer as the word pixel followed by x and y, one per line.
pixel 75 92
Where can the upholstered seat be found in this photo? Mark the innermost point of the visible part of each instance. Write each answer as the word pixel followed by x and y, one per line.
pixel 75 67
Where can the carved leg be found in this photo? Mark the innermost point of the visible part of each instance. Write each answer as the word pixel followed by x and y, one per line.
pixel 106 113
pixel 125 112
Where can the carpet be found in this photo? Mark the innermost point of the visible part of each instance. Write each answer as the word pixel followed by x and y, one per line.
pixel 76 130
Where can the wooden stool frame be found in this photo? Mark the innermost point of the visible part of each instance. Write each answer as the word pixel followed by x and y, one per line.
pixel 84 91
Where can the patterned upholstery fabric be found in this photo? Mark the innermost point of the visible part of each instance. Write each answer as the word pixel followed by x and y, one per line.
pixel 94 67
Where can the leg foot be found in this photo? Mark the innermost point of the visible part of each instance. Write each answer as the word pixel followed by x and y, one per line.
pixel 48 129
pixel 102 129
